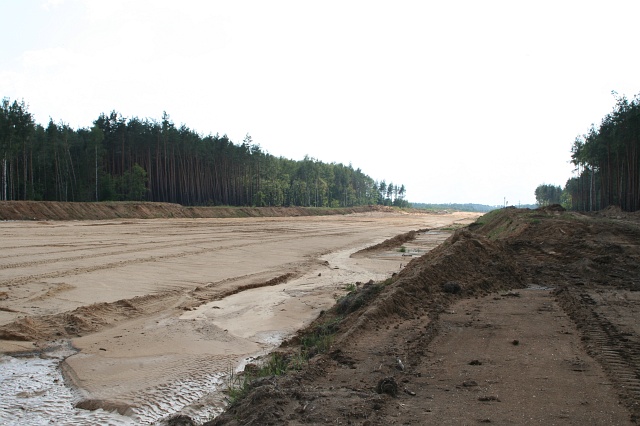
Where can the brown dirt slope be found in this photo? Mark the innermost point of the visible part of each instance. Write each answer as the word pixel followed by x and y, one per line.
pixel 436 344
pixel 53 210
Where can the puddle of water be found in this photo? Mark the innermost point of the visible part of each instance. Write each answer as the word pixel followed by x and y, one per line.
pixel 34 393
pixel 272 338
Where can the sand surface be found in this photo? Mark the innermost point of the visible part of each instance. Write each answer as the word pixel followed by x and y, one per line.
pixel 161 309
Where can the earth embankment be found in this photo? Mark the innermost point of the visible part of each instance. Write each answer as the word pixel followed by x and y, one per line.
pixel 54 210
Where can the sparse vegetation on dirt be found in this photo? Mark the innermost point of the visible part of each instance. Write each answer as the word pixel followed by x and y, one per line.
pixel 382 367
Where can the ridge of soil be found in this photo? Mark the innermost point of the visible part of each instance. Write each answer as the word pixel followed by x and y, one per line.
pixel 57 210
pixel 526 316
pixel 391 243
pixel 99 316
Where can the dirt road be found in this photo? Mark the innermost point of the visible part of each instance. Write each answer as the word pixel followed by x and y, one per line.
pixel 159 309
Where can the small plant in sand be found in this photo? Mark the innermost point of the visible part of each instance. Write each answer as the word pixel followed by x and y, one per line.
pixel 403 249
pixel 315 340
pixel 319 340
pixel 238 385
pixel 297 362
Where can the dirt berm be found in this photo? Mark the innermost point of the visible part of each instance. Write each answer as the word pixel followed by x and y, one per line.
pixel 53 210
pixel 525 317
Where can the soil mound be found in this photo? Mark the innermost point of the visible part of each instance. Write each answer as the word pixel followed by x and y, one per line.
pixel 54 210
pixel 559 247
pixel 476 264
pixel 391 243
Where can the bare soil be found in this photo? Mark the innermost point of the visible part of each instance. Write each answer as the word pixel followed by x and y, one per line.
pixel 160 309
pixel 526 317
pixel 54 210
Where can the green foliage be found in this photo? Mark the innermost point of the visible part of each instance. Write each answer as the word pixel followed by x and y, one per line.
pixel 359 298
pixel 320 338
pixel 607 161
pixel 131 186
pixel 468 207
pixel 144 159
pixel 548 194
pixel 239 385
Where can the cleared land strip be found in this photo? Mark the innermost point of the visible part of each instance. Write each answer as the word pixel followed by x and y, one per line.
pixel 179 302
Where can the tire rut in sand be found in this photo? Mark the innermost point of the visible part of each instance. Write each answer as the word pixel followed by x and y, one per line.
pixel 112 265
pixel 120 251
pixel 618 352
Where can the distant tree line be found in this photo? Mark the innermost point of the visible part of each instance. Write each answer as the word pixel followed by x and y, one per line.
pixel 463 207
pixel 607 161
pixel 143 159
pixel 548 194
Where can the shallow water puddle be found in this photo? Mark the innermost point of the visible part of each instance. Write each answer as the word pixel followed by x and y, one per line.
pixel 34 393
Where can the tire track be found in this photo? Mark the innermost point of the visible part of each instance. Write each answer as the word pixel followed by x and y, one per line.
pixel 83 270
pixel 122 263
pixel 618 352
pixel 46 247
pixel 138 248
pixel 98 255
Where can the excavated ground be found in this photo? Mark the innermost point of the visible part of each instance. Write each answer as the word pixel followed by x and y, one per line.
pixel 56 210
pixel 525 317
pixel 146 316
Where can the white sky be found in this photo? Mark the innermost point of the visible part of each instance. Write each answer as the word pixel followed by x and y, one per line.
pixel 460 101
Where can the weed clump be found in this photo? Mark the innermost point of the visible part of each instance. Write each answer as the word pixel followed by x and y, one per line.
pixel 315 340
pixel 238 385
pixel 358 298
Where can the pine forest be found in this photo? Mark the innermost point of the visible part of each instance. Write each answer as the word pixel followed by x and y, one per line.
pixel 119 159
pixel 607 161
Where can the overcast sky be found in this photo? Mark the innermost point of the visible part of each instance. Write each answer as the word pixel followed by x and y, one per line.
pixel 460 101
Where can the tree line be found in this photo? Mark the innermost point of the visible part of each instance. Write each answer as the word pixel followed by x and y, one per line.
pixel 118 159
pixel 463 207
pixel 607 161
pixel 548 194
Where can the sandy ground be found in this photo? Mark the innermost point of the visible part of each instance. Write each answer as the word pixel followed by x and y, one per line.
pixel 155 308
